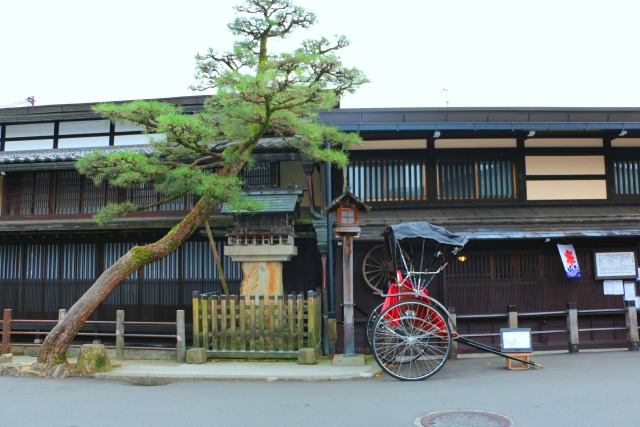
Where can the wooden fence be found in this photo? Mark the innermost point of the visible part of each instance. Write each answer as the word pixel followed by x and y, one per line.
pixel 256 327
pixel 18 333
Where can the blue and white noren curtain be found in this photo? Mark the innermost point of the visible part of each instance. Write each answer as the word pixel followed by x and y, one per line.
pixel 570 260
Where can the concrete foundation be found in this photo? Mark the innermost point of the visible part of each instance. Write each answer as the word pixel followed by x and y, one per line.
pixel 342 360
pixel 196 355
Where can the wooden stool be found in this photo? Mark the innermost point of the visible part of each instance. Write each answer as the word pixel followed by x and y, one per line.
pixel 514 364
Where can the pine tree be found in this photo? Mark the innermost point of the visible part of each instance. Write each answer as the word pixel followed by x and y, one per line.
pixel 257 93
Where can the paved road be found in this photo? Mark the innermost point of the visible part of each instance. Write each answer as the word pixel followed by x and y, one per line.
pixel 585 389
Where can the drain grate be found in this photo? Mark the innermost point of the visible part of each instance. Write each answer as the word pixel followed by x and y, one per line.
pixel 467 418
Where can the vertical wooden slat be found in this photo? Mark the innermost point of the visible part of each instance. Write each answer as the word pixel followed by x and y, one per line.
pixel 300 321
pixel 261 320
pixel 290 322
pixel 272 324
pixel 224 342
pixel 311 320
pixel 252 323
pixel 233 324
pixel 195 305
pixel 204 305
pixel 214 323
pixel 243 322
pixel 280 327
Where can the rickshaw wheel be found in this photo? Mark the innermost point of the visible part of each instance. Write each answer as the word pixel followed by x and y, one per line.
pixel 378 267
pixel 371 323
pixel 411 340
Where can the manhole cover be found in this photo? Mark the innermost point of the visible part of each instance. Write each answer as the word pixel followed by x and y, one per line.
pixel 463 418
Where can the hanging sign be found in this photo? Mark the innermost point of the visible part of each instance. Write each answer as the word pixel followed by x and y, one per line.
pixel 570 260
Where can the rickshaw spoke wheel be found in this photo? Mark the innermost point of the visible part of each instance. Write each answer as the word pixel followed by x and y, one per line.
pixel 378 266
pixel 371 323
pixel 411 340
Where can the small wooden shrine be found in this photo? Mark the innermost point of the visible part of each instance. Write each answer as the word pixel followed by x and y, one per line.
pixel 263 239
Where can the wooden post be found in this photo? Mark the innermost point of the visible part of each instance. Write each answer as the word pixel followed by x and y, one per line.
pixel 205 309
pixel 631 316
pixel 6 331
pixel 300 321
pixel 454 327
pixel 120 334
pixel 212 243
pixel 312 326
pixel 195 306
pixel 181 348
pixel 572 327
pixel 512 310
pixel 324 330
pixel 347 293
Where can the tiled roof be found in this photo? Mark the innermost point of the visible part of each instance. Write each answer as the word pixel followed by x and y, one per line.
pixel 270 201
pixel 73 154
pixel 62 154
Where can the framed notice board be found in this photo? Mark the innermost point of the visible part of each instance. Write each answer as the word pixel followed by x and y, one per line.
pixel 615 265
pixel 515 340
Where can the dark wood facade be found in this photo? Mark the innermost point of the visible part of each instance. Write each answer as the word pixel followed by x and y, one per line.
pixel 515 181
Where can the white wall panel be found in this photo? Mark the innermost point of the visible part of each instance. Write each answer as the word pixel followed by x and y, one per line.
pixel 89 126
pixel 36 129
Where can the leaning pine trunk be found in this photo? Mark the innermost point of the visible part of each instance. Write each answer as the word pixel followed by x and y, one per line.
pixel 54 349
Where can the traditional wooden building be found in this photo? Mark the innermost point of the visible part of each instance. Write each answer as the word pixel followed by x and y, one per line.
pixel 515 181
pixel 51 249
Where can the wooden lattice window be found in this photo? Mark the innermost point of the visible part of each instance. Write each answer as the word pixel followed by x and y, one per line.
pixel 388 180
pixel 626 174
pixel 261 174
pixel 476 179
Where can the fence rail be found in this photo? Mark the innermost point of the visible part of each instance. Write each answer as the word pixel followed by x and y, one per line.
pixel 256 327
pixel 574 327
pixel 120 333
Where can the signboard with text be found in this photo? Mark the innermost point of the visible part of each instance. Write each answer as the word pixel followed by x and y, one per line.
pixel 615 265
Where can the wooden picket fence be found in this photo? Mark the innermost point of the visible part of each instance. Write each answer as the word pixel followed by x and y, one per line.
pixel 242 326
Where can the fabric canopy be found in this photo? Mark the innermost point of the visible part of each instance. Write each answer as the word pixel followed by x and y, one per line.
pixel 425 230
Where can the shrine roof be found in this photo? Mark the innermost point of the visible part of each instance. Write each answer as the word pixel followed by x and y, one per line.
pixel 269 201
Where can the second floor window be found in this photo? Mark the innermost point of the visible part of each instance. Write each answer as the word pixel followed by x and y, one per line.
pixel 461 179
pixel 626 174
pixel 388 180
pixel 262 174
pixel 68 193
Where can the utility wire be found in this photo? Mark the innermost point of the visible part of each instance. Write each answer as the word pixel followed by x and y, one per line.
pixel 29 100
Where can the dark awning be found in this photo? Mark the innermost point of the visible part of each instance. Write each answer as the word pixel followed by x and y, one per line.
pixel 515 222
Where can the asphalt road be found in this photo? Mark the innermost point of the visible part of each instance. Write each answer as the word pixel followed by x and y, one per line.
pixel 584 389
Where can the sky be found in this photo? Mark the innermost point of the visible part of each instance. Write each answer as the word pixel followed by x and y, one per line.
pixel 417 53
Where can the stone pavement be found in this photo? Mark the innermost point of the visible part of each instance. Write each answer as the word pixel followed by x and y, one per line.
pixel 162 372
pixel 159 372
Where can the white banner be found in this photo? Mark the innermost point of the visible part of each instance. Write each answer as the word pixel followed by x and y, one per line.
pixel 569 260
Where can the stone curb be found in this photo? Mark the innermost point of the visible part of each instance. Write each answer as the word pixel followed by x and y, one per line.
pixel 149 373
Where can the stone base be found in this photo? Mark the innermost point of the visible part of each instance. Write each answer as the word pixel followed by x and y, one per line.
pixel 197 355
pixel 342 360
pixel 307 356
pixel 93 358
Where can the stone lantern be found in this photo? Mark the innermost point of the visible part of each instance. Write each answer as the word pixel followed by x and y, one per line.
pixel 347 206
